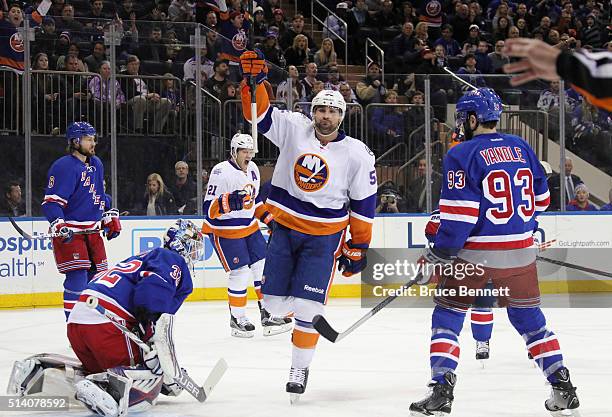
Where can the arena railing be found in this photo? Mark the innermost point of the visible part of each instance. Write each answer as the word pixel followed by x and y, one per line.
pixel 315 6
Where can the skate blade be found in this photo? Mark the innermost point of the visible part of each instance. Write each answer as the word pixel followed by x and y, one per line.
pixel 243 335
pixel 429 414
pixel 565 413
pixel 294 398
pixel 274 330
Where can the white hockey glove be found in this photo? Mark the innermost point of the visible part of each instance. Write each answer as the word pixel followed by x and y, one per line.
pixel 151 361
pixel 429 261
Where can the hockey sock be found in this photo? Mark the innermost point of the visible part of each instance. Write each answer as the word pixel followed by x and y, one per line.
pixel 482 323
pixel 74 283
pixel 444 350
pixel 237 291
pixel 304 336
pixel 257 271
pixel 541 342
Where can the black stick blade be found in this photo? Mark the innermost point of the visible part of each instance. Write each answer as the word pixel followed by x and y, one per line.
pixel 19 229
pixel 322 326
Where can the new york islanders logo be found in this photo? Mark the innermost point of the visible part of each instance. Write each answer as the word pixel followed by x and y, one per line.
pixel 239 40
pixel 16 43
pixel 249 199
pixel 310 172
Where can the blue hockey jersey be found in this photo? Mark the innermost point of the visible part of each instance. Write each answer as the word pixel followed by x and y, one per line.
pixel 75 192
pixel 158 280
pixel 493 188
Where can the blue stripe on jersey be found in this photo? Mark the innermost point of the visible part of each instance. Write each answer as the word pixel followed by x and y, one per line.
pixel 264 124
pixel 303 323
pixel 281 196
pixel 240 222
pixel 236 292
pixel 365 207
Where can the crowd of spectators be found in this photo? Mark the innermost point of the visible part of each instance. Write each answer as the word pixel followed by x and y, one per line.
pixel 156 65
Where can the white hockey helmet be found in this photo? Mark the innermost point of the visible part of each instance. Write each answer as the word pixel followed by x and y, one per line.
pixel 329 98
pixel 241 141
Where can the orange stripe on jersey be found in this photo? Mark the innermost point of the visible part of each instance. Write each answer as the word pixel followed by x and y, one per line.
pixel 604 103
pixel 260 210
pixel 231 233
pixel 361 231
pixel 261 96
pixel 220 253
pixel 310 227
pixel 214 210
pixel 304 340
pixel 237 301
pixel 259 294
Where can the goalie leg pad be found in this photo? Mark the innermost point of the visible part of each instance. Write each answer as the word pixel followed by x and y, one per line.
pixel 163 342
pixel 27 376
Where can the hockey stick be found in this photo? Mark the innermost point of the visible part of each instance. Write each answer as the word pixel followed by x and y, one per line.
pixel 200 393
pixel 322 326
pixel 48 235
pixel 573 266
pixel 461 80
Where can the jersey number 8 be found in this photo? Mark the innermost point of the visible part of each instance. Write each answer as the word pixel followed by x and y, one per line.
pixel 497 187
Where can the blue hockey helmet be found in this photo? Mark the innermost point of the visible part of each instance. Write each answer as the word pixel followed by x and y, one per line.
pixel 484 102
pixel 77 130
pixel 185 238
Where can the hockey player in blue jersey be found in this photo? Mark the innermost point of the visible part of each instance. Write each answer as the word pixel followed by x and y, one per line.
pixel 143 292
pixel 481 313
pixel 75 200
pixel 493 188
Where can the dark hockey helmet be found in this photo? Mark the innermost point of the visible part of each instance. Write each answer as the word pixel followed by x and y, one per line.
pixel 77 130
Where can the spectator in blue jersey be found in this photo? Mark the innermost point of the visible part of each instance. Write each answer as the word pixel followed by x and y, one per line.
pixel 608 206
pixel 580 202
pixel 450 45
pixel 12 204
pixel 388 124
pixel 483 62
pixel 157 200
pixel 470 73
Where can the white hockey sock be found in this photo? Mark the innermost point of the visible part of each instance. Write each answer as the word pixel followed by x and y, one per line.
pixel 257 271
pixel 304 337
pixel 237 291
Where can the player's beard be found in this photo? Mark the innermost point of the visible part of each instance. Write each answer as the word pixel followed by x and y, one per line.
pixel 87 153
pixel 325 127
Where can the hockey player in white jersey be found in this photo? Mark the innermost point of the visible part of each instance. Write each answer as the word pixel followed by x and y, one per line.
pixel 232 206
pixel 324 181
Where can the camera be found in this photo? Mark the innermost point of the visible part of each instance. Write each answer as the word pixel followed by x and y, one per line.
pixel 387 198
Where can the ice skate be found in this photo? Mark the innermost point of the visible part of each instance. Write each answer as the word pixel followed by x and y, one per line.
pixel 482 351
pixel 298 378
pixel 438 401
pixel 96 399
pixel 273 325
pixel 563 399
pixel 242 327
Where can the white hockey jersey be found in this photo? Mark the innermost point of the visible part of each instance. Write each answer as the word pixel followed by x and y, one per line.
pixel 316 189
pixel 227 177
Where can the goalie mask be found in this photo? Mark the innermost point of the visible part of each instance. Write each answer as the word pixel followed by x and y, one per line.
pixel 186 239
pixel 483 103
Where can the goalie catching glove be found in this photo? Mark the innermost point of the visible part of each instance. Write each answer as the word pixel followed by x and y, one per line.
pixel 353 259
pixel 253 64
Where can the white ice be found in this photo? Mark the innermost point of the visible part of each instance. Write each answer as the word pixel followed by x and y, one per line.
pixel 375 372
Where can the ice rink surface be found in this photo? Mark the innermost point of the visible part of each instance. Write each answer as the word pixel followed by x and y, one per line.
pixel 375 372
